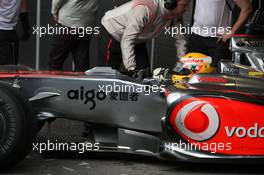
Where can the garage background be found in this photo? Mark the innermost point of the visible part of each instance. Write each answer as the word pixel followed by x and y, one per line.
pixel 34 53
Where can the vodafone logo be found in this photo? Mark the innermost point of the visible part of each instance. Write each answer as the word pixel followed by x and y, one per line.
pixel 198 120
pixel 192 60
pixel 213 79
pixel 241 132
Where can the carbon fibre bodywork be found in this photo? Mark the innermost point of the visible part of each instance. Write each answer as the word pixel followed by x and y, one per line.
pixel 141 119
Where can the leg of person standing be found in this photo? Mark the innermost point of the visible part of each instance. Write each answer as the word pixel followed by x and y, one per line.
pixel 142 58
pixel 109 50
pixel 9 47
pixel 81 53
pixel 60 50
pixel 16 48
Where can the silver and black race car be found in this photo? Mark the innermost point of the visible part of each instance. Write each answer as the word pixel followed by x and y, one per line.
pixel 214 117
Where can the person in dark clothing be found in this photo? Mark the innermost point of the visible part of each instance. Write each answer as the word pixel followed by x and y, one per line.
pixel 9 40
pixel 72 15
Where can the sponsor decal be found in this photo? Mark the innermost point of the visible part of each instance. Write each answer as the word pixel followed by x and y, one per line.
pixel 207 120
pixel 197 120
pixel 213 79
pixel 248 43
pixel 89 97
pixel 241 132
pixel 231 70
pixel 241 43
pixel 123 96
pixel 189 60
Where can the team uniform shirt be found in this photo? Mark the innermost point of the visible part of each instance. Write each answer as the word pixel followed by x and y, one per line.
pixel 135 22
pixel 9 13
pixel 211 14
pixel 75 13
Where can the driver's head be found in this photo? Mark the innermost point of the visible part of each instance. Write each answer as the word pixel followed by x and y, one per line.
pixel 182 6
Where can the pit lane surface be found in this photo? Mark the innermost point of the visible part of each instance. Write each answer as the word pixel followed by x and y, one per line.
pixel 111 164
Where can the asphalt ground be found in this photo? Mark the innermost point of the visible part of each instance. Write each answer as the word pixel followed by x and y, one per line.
pixel 59 162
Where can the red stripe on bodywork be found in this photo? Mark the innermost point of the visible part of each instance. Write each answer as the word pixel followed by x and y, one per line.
pixel 248 36
pixel 42 74
pixel 108 50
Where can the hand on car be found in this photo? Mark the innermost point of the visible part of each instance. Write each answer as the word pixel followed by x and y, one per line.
pixel 224 37
pixel 132 73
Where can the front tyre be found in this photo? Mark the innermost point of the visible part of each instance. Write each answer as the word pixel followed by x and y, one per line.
pixel 17 126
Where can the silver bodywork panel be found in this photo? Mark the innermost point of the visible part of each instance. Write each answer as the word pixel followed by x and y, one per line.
pixel 82 98
pixel 250 47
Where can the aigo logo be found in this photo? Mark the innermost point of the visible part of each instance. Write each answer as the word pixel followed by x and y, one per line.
pixel 197 120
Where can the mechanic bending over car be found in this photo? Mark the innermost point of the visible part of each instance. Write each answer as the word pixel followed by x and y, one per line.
pixel 216 13
pixel 10 11
pixel 126 29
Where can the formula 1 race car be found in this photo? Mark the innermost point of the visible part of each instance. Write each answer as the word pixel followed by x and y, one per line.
pixel 216 117
pixel 211 117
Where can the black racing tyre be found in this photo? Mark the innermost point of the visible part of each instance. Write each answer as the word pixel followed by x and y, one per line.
pixel 17 126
